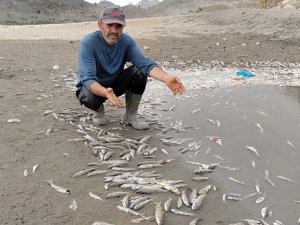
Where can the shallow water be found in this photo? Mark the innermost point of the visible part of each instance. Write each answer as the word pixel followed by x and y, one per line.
pixel 239 110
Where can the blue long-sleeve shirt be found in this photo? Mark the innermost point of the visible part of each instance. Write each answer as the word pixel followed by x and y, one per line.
pixel 101 62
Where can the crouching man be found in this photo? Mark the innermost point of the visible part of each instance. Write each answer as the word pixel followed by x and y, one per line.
pixel 101 74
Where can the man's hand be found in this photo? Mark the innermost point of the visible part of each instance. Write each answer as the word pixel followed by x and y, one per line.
pixel 175 85
pixel 112 98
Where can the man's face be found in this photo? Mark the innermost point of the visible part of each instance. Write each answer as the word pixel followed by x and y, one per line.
pixel 111 31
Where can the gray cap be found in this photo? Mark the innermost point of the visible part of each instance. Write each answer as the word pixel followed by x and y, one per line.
pixel 113 15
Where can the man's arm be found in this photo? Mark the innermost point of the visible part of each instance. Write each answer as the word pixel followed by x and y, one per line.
pixel 108 93
pixel 172 82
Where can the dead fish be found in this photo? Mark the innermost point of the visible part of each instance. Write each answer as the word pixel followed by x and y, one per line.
pixel 169 187
pixel 198 202
pixel 193 195
pixel 85 171
pixel 194 222
pixel 159 214
pixel 258 188
pixel 58 188
pixel 196 110
pixel 261 199
pixel 26 173
pixel 251 148
pixel 101 223
pixel 96 172
pixel 265 212
pixel 74 205
pixel 215 139
pixel 211 120
pixel 204 190
pixel 290 144
pixel 201 171
pixel 277 222
pixel 141 204
pixel 127 210
pixel 185 198
pixel 252 222
pixel 262 113
pixel 218 157
pixel 238 181
pixel 260 128
pixel 149 166
pixel 116 194
pixel 145 139
pixel 149 190
pixel 267 178
pixel 179 203
pixel 137 200
pixel 178 212
pixel 233 198
pixel 167 204
pixel 14 121
pixel 200 178
pixel 164 151
pixel 224 197
pixel 250 195
pixel 286 179
pixel 296 201
pixel 94 196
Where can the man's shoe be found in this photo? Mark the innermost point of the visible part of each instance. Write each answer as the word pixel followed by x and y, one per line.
pixel 99 117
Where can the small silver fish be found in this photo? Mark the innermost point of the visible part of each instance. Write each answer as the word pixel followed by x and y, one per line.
pixel 260 199
pixel 101 223
pixel 251 148
pixel 285 178
pixel 34 168
pixel 85 171
pixel 116 194
pixel 262 113
pixel 264 212
pixel 125 201
pixel 178 212
pixel 159 214
pixel 58 188
pixel 179 203
pixel 277 222
pixel 94 196
pixel 260 128
pixel 194 222
pixel 74 205
pixel 198 202
pixel 26 173
pixel 290 144
pixel 185 198
pixel 141 204
pixel 238 181
pixel 167 204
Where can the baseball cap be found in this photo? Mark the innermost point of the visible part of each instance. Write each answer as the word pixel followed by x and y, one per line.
pixel 113 15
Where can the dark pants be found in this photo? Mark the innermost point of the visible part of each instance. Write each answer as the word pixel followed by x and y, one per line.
pixel 130 79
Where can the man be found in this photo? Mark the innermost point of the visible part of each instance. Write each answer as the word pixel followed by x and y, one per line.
pixel 101 74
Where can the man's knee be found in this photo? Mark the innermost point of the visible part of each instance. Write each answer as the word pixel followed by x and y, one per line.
pixel 88 99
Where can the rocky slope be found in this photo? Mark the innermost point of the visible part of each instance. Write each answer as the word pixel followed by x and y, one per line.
pixel 57 11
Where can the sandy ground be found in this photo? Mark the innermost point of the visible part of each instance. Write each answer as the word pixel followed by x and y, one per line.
pixel 207 43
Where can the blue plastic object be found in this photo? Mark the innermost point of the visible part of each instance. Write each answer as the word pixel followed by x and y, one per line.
pixel 244 73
